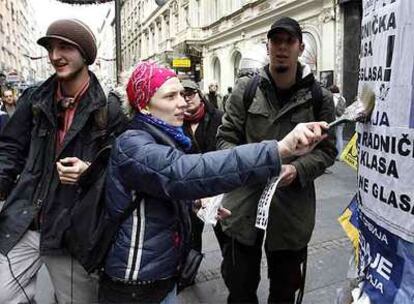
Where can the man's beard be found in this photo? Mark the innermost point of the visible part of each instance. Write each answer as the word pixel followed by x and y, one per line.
pixel 281 69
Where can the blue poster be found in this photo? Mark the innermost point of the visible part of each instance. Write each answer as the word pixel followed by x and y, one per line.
pixel 387 264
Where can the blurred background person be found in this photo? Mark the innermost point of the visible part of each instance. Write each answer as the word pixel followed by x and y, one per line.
pixel 201 121
pixel 7 108
pixel 340 105
pixel 225 97
pixel 213 95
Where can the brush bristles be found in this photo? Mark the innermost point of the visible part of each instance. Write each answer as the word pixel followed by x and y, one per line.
pixel 361 109
pixel 367 99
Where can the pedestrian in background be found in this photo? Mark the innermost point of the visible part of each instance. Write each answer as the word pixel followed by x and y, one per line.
pixel 201 121
pixel 340 105
pixel 286 94
pixel 213 96
pixel 7 108
pixel 225 97
pixel 3 86
pixel 53 135
pixel 149 165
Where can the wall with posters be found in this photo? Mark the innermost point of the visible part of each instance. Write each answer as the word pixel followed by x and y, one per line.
pixel 386 152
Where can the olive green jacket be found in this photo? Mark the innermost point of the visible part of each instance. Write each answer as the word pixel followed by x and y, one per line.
pixel 292 211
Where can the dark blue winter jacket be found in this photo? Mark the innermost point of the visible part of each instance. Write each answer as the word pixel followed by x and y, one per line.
pixel 145 161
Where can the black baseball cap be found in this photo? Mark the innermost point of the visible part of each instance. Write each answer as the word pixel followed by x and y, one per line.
pixel 286 24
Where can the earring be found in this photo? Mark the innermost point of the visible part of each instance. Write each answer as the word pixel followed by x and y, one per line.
pixel 145 110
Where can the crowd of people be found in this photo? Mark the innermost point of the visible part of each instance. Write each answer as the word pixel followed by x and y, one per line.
pixel 171 147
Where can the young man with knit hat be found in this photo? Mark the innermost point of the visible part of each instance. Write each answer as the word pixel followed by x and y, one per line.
pixel 50 140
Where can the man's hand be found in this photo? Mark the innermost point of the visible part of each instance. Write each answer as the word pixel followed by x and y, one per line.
pixel 223 213
pixel 70 169
pixel 288 174
pixel 302 139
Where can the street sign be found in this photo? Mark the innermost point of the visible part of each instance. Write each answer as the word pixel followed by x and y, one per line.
pixel 181 63
pixel 350 154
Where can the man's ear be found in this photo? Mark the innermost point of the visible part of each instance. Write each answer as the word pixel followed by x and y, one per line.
pixel 267 47
pixel 301 48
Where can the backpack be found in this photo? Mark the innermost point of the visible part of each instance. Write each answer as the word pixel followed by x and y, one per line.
pixel 91 231
pixel 253 83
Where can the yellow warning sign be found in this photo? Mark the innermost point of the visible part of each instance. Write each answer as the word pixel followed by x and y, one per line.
pixel 350 154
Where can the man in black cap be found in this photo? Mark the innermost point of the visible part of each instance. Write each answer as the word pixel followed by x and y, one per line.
pixel 50 140
pixel 285 93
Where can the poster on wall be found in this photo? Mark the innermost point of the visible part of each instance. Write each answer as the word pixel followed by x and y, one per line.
pixel 387 262
pixel 386 152
pixel 326 78
pixel 386 143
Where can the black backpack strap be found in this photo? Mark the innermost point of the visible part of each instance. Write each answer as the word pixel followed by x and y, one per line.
pixel 101 117
pixel 250 91
pixel 317 99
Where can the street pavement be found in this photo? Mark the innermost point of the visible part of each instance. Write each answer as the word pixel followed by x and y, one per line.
pixel 329 249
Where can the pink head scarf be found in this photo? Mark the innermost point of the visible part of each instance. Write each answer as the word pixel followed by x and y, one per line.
pixel 145 80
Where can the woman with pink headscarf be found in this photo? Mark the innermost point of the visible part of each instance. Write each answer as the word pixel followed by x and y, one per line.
pixel 149 165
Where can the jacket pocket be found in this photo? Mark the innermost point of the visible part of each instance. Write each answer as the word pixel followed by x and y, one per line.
pixel 258 122
pixel 258 108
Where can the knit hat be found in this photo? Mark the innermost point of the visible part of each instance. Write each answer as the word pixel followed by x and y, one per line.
pixel 75 32
pixel 145 80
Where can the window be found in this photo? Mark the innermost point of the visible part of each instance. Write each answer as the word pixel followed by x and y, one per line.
pixel 236 64
pixel 186 18
pixel 216 70
pixel 310 54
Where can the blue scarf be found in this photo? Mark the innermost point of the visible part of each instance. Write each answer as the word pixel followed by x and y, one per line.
pixel 176 133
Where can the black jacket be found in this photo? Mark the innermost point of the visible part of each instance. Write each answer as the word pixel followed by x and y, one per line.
pixel 28 159
pixel 204 139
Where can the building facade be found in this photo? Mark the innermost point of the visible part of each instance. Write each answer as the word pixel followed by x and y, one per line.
pixel 104 66
pixel 18 46
pixel 206 39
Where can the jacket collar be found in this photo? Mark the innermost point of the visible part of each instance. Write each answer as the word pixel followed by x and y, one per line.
pixel 93 99
pixel 159 136
pixel 301 89
pixel 305 80
pixel 44 97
